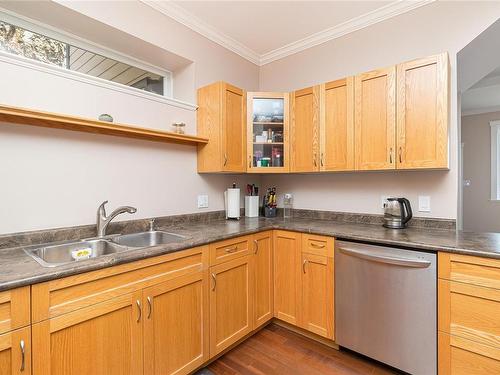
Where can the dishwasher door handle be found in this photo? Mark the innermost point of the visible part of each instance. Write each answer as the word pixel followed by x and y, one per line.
pixel 368 255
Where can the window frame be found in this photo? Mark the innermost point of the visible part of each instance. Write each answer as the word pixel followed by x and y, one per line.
pixel 495 159
pixel 51 32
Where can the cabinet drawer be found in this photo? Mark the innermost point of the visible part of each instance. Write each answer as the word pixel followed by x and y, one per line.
pixel 459 356
pixel 230 249
pixel 470 311
pixel 14 309
pixel 61 296
pixel 470 270
pixel 318 245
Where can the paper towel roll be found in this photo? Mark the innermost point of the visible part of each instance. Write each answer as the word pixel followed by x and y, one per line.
pixel 232 203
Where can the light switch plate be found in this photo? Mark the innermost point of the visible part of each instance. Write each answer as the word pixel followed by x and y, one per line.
pixel 424 203
pixel 202 201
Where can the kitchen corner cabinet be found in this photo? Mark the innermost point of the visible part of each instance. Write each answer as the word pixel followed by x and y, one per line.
pixel 375 119
pixel 15 352
pixel 263 270
pixel 317 285
pixel 267 132
pixel 422 113
pixel 304 130
pixel 231 302
pixel 222 118
pixel 287 274
pixel 337 125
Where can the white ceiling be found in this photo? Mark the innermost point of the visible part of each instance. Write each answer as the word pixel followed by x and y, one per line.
pixel 266 30
pixel 484 96
pixel 264 26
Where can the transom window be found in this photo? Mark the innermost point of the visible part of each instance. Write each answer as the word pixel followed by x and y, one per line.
pixel 36 46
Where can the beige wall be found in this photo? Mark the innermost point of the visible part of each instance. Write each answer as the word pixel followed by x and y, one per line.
pixel 441 26
pixel 480 213
pixel 55 178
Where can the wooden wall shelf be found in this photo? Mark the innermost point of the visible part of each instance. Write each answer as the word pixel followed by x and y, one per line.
pixel 23 116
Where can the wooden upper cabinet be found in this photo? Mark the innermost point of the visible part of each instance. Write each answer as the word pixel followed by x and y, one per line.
pixel 337 125
pixel 221 118
pixel 375 119
pixel 267 132
pixel 422 113
pixel 304 130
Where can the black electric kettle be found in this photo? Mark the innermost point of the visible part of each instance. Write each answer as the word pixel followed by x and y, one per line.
pixel 397 213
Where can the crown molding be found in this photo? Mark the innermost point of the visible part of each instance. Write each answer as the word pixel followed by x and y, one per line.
pixel 188 19
pixel 479 111
pixel 381 14
pixel 184 17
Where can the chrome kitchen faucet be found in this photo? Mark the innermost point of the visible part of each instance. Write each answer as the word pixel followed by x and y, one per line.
pixel 103 220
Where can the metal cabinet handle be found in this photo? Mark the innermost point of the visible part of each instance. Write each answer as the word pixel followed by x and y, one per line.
pixel 150 307
pixel 214 278
pixel 225 160
pixel 249 161
pixel 390 156
pixel 321 160
pixel 314 160
pixel 313 244
pixel 400 155
pixel 23 355
pixel 139 308
pixel 369 255
pixel 304 265
pixel 231 249
pixel 256 246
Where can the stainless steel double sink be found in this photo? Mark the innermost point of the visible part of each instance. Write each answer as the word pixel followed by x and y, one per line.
pixel 59 253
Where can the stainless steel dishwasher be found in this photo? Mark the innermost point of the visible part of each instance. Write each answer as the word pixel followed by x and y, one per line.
pixel 385 305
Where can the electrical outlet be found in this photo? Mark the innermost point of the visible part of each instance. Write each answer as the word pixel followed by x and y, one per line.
pixel 202 201
pixel 424 203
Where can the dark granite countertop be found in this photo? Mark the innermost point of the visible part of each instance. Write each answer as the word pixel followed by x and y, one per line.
pixel 19 269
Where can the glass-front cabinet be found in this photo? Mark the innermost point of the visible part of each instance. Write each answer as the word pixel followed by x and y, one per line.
pixel 267 132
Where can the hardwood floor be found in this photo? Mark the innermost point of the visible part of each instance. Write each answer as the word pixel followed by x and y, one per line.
pixel 278 351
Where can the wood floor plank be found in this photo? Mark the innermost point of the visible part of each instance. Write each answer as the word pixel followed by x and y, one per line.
pixel 278 351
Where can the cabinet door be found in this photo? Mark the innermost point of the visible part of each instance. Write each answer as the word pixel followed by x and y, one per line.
pixel 263 261
pixel 422 113
pixel 101 339
pixel 231 303
pixel 375 119
pixel 287 275
pixel 233 129
pixel 15 352
pixel 304 130
pixel 317 314
pixel 337 125
pixel 176 325
pixel 267 132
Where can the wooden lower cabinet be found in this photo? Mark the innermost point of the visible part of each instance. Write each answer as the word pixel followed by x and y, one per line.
pixel 101 339
pixel 287 269
pixel 231 302
pixel 263 271
pixel 316 310
pixel 15 352
pixel 469 315
pixel 176 325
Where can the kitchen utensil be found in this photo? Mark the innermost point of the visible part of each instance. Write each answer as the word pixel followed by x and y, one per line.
pixel 397 213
